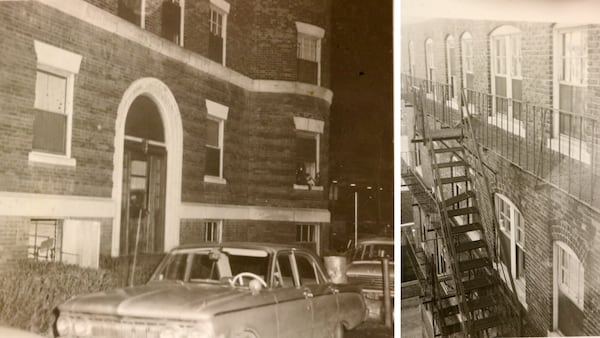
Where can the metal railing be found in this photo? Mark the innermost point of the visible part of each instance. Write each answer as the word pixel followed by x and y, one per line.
pixel 557 147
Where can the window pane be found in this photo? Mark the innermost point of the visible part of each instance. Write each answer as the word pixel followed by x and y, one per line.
pixel 213 161
pixel 212 133
pixel 49 132
pixel 50 92
pixel 306 271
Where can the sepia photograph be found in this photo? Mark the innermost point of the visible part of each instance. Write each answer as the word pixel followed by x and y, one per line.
pixel 499 159
pixel 204 168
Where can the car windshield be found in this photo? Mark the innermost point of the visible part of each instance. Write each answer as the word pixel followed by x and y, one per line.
pixel 211 265
pixel 371 251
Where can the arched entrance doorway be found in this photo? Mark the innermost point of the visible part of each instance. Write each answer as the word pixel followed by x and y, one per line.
pixel 147 169
pixel 144 169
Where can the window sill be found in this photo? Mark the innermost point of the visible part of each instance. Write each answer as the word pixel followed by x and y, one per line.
pixel 214 179
pixel 305 187
pixel 39 157
pixel 516 127
pixel 576 151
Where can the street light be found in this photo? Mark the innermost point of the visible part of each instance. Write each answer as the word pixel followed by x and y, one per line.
pixel 355 215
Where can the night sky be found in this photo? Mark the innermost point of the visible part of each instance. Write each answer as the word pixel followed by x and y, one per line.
pixel 362 82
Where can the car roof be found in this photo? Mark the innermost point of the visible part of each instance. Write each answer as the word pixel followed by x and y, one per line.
pixel 269 247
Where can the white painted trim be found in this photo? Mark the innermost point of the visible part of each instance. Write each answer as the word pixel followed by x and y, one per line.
pixel 47 158
pixel 253 213
pixel 308 29
pixel 311 125
pixel 113 24
pixel 58 206
pixel 181 22
pixel 305 187
pixel 214 179
pixel 57 57
pixel 222 5
pixel 167 106
pixel 216 109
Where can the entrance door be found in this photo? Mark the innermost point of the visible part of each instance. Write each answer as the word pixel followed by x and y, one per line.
pixel 143 202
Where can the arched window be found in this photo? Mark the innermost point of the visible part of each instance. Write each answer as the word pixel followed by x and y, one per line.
pixel 466 41
pixel 429 65
pixel 506 60
pixel 570 273
pixel 511 241
pixel 451 68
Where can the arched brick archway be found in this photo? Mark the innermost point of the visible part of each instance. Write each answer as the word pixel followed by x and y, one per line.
pixel 163 98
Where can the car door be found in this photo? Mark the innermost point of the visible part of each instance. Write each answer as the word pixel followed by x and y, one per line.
pixel 322 294
pixel 294 307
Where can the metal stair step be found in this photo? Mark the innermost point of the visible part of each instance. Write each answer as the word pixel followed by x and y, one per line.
pixel 471 245
pixel 450 329
pixel 472 305
pixel 461 229
pixel 473 264
pixel 451 164
pixel 486 323
pixel 448 150
pixel 455 179
pixel 477 283
pixel 460 197
pixel 462 211
pixel 446 134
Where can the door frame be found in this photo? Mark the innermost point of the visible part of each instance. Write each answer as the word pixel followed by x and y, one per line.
pixel 170 115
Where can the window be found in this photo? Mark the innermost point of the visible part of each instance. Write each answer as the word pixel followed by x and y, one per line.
pixel 307 155
pixel 213 231
pixel 283 275
pixel 215 130
pixel 507 79
pixel 54 85
pixel 570 274
pixel 309 53
pixel 467 59
pixel 451 68
pixel 411 58
pixel 573 81
pixel 172 28
pixel 132 11
pixel 429 64
pixel 218 30
pixel 511 241
pixel 306 233
pixel 307 271
pixel 68 241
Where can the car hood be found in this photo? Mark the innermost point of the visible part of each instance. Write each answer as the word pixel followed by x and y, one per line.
pixel 371 268
pixel 182 301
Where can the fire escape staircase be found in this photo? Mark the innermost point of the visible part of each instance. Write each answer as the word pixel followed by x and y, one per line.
pixel 479 306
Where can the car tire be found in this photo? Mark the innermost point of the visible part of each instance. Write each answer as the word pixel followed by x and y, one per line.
pixel 338 331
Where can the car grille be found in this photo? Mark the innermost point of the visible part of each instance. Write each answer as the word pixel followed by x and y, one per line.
pixel 108 326
pixel 371 282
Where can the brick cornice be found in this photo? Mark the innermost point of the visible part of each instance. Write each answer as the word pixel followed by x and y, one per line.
pixel 113 24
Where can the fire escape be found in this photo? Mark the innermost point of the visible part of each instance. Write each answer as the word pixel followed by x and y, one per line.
pixel 470 299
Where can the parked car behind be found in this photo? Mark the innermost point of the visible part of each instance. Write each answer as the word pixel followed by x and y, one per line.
pixel 222 290
pixel 364 269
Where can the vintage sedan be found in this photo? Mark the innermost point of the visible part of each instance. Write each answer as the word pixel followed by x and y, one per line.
pixel 222 290
pixel 365 270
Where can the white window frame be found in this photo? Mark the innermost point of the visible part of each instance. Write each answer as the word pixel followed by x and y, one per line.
pixel 568 146
pixel 305 30
pixel 429 64
pixel 218 113
pixel 307 128
pixel 506 34
pixel 451 79
pixel 217 229
pixel 511 216
pixel 466 42
pixel 411 58
pixel 574 289
pixel 221 7
pixel 66 64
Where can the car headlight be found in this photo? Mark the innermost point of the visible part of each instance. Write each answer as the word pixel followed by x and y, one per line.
pixel 64 325
pixel 82 327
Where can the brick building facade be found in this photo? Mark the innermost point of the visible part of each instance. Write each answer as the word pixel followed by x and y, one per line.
pixel 533 90
pixel 191 120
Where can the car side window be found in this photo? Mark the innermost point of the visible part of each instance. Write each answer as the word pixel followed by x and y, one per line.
pixel 306 270
pixel 283 276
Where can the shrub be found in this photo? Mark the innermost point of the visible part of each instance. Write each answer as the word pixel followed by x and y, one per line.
pixel 30 292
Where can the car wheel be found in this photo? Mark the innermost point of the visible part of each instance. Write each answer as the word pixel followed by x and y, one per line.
pixel 339 330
